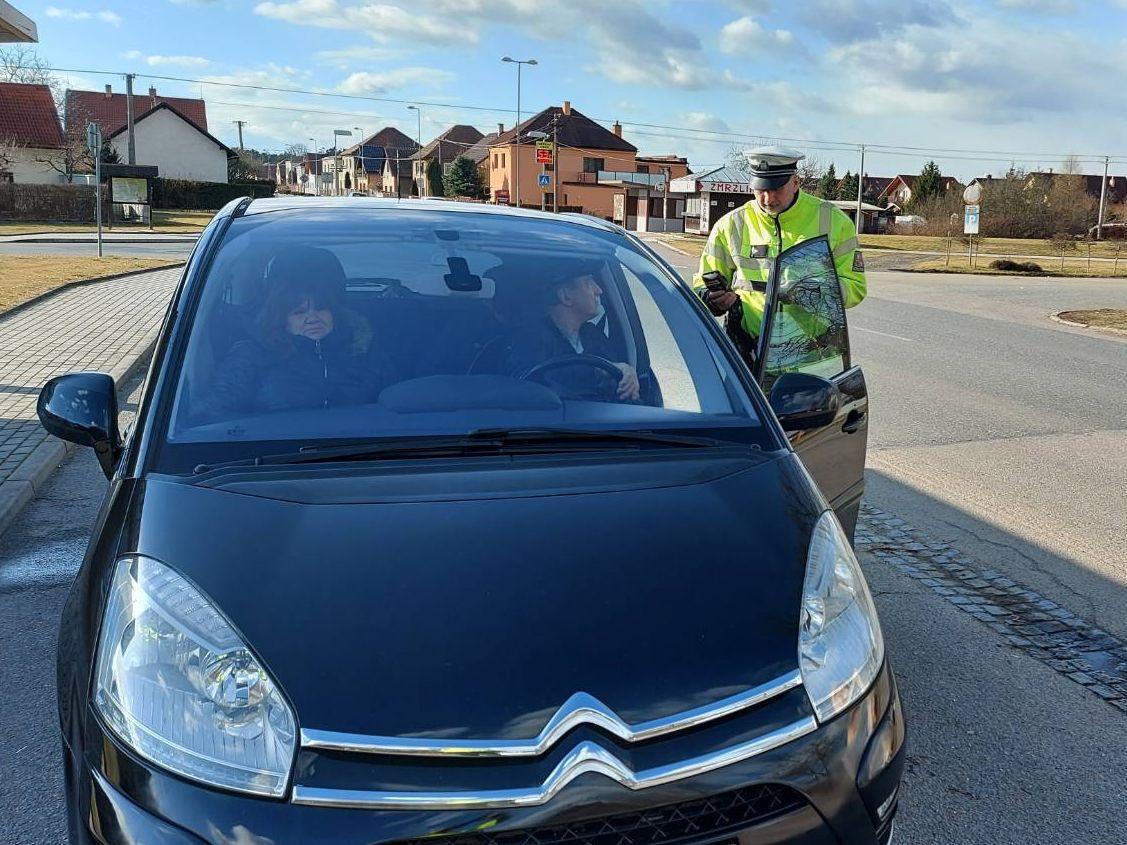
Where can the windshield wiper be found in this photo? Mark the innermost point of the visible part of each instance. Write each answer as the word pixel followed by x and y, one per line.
pixel 482 441
pixel 549 435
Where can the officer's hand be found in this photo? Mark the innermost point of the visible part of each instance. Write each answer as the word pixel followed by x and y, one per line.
pixel 628 387
pixel 720 301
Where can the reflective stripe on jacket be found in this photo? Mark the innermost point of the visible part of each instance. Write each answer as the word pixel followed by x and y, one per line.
pixel 745 242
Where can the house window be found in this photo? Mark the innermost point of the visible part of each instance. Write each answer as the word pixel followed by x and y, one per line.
pixel 6 177
pixel 447 167
pixel 502 159
pixel 643 168
pixel 692 207
pixel 593 165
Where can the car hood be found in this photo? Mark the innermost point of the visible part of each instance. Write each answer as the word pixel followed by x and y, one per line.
pixel 478 608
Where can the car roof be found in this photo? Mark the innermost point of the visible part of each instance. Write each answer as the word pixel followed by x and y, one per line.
pixel 284 203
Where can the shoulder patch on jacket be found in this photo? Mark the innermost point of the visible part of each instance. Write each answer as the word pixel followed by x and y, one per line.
pixel 858 262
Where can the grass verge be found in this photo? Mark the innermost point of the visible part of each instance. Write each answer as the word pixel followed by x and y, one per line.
pixel 1099 318
pixel 22 277
pixel 166 222
pixel 1050 266
pixel 993 246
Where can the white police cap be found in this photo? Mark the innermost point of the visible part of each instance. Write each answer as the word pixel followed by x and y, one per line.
pixel 771 167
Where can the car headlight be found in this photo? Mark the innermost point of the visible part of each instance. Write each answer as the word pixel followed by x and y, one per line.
pixel 840 647
pixel 180 687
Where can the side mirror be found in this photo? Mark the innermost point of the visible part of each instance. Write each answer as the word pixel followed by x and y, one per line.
pixel 82 408
pixel 803 401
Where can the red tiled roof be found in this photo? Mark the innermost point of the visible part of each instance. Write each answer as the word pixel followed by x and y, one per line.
pixel 28 116
pixel 108 110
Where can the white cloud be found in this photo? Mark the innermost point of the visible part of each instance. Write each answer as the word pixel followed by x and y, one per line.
pixel 703 121
pixel 347 56
pixel 167 61
pixel 383 22
pixel 848 21
pixel 365 82
pixel 105 15
pixel 1046 7
pixel 746 34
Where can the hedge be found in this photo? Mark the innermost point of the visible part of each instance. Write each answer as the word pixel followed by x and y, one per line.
pixel 205 196
pixel 54 203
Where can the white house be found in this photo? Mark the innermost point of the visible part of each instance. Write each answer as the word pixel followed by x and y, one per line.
pixel 179 148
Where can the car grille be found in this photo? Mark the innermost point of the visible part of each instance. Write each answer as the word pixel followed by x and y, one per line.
pixel 691 820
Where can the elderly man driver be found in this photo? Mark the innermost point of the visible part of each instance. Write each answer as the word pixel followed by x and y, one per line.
pixel 565 328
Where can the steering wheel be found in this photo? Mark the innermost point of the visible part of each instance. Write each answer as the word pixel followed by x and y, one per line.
pixel 594 362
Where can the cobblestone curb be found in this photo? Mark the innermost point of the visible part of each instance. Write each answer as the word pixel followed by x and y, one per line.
pixel 1028 621
pixel 1057 318
pixel 19 488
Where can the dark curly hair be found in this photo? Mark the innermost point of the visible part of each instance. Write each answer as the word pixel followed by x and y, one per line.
pixel 298 275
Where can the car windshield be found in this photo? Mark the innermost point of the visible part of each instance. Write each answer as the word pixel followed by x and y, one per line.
pixel 321 325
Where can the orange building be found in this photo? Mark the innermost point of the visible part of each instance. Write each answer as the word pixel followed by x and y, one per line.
pixel 595 171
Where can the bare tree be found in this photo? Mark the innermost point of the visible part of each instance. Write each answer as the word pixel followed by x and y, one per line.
pixel 19 63
pixel 810 173
pixel 1071 166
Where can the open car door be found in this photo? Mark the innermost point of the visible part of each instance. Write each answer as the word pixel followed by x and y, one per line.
pixel 805 331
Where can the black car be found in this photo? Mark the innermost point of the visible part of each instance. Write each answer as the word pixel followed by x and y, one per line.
pixel 447 523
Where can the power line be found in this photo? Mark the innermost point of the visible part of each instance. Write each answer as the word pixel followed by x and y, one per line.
pixel 712 136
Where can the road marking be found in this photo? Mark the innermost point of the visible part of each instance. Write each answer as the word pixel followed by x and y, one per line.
pixel 884 334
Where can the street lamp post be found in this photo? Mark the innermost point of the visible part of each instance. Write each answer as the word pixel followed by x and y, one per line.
pixel 516 137
pixel 420 179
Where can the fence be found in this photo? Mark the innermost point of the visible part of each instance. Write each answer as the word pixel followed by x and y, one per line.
pixel 50 203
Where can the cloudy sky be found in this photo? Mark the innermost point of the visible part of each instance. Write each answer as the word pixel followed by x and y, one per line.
pixel 1023 81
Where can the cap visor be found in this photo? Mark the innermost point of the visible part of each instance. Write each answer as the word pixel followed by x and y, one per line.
pixel 769 183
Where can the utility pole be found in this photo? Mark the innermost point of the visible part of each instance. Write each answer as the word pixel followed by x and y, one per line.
pixel 860 190
pixel 556 164
pixel 131 153
pixel 240 124
pixel 1103 200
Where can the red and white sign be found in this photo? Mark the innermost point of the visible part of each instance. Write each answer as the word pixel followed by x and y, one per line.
pixel 543 156
pixel 727 187
pixel 501 195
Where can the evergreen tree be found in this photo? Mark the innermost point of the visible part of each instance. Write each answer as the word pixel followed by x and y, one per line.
pixel 827 185
pixel 848 189
pixel 463 180
pixel 435 188
pixel 929 183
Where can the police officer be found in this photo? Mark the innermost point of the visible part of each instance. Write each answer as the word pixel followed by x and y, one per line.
pixel 744 242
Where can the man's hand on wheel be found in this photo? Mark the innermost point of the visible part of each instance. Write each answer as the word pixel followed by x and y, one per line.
pixel 628 387
pixel 720 301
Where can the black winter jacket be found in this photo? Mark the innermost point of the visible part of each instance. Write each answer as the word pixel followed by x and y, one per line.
pixel 340 369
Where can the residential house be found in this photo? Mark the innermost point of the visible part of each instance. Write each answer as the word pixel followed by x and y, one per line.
pixel 1093 185
pixel 175 145
pixel 872 187
pixel 364 167
pixel 109 110
pixel 584 150
pixel 479 153
pixel 899 190
pixel 32 145
pixel 455 141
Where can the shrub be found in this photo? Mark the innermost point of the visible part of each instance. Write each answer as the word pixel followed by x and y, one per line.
pixel 51 203
pixel 205 196
pixel 1016 266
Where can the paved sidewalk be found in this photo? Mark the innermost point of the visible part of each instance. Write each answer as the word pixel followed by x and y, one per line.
pixel 107 326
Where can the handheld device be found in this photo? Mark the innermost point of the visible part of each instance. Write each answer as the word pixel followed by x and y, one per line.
pixel 716 282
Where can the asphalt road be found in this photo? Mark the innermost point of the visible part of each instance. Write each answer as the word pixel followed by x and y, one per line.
pixel 993 428
pixel 137 250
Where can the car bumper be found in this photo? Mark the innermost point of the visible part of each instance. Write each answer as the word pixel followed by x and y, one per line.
pixel 846 774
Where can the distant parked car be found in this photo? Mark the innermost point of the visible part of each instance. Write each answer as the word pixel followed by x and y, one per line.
pixel 909 221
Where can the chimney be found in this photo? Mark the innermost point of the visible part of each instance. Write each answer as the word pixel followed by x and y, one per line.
pixel 567 108
pixel 500 129
pixel 109 90
pixel 152 91
pixel 617 129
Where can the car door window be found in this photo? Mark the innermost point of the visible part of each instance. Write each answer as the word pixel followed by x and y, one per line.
pixel 807 331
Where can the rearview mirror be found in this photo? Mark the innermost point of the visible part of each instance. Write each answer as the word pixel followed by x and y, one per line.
pixel 82 408
pixel 803 401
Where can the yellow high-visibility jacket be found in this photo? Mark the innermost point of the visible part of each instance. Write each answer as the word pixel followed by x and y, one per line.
pixel 745 242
